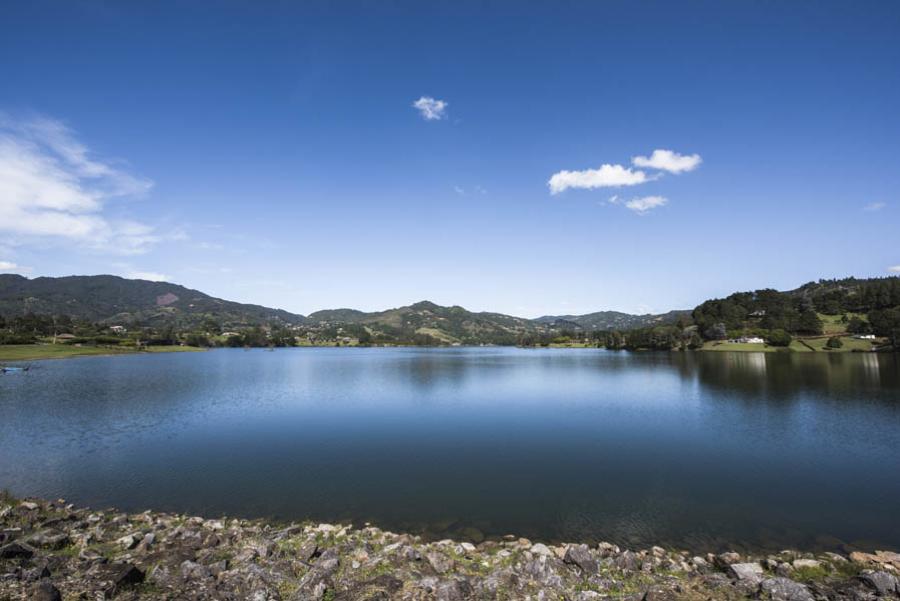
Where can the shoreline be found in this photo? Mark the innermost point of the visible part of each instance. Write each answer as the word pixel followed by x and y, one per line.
pixel 53 550
pixel 38 352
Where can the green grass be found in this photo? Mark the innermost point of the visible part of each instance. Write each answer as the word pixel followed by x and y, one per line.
pixel 33 352
pixel 818 345
pixel 737 346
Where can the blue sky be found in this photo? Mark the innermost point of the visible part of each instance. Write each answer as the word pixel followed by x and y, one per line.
pixel 273 152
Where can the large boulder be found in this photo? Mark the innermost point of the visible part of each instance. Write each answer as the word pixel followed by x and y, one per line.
pixel 883 582
pixel 746 572
pixel 580 555
pixel 16 550
pixel 784 589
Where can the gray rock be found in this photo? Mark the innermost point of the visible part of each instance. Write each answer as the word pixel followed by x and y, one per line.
pixel 541 549
pixel 785 589
pixel 806 563
pixel 194 571
pixel 883 582
pixel 628 561
pixel 751 572
pixel 48 539
pixel 45 591
pixel 440 562
pixel 723 560
pixel 16 551
pixel 580 555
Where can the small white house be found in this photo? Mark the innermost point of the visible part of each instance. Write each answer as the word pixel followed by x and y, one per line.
pixel 865 336
pixel 747 340
pixel 118 329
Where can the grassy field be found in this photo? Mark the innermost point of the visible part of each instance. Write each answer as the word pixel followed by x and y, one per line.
pixel 737 346
pixel 818 345
pixel 33 352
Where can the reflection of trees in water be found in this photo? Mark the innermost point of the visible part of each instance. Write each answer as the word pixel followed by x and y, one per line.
pixel 785 375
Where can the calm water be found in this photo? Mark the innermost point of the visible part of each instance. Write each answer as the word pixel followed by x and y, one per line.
pixel 694 450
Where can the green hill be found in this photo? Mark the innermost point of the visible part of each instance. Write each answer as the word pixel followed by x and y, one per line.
pixel 113 300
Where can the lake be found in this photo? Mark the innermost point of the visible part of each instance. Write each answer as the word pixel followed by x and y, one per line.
pixel 702 451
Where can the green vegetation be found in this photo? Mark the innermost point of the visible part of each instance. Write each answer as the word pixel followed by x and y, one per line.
pixel 33 352
pixel 105 314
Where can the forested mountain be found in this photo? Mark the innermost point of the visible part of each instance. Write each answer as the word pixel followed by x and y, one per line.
pixel 428 323
pixel 111 299
pixel 32 308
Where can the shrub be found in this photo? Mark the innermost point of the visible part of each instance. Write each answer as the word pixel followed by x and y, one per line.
pixel 834 342
pixel 778 338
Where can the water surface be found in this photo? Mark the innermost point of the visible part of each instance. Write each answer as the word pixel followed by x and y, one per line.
pixel 696 450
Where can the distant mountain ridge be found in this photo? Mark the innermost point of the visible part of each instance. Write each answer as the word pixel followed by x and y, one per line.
pixel 112 300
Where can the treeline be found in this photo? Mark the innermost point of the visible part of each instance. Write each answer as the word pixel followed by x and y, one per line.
pixel 865 306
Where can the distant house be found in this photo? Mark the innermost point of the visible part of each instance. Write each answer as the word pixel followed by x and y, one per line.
pixel 118 329
pixel 865 336
pixel 65 336
pixel 230 334
pixel 747 340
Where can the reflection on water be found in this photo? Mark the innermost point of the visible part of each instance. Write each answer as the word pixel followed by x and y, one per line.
pixel 699 450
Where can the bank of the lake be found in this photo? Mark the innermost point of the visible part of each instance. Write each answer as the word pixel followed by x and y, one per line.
pixel 36 352
pixel 50 551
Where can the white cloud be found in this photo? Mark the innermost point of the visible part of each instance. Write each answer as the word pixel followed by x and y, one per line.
pixel 10 267
pixel 52 188
pixel 874 206
pixel 667 160
pixel 646 203
pixel 153 276
pixel 430 108
pixel 894 268
pixel 607 176
pixel 459 191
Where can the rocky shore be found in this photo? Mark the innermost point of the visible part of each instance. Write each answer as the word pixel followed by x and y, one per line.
pixel 52 551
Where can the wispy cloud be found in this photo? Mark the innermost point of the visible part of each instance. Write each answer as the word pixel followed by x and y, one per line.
pixel 607 176
pixel 8 266
pixel 153 276
pixel 894 268
pixel 52 187
pixel 430 108
pixel 668 160
pixel 874 206
pixel 646 203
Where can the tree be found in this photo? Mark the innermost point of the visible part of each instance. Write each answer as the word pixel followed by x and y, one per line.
pixel 834 343
pixel 716 332
pixel 809 323
pixel 886 322
pixel 858 326
pixel 779 338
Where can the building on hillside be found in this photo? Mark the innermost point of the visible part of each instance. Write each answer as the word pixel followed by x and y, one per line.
pixel 118 329
pixel 865 336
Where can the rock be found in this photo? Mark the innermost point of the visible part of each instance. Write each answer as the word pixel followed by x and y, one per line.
pixel 473 534
pixel 723 560
pixel 860 557
pixel 16 550
pixel 883 582
pixel 627 561
pixel 452 590
pixel 806 563
pixel 580 555
pixel 125 574
pixel 129 541
pixel 440 562
pixel 784 570
pixel 194 571
pixel 48 539
pixel 28 505
pixel 785 589
pixel 751 572
pixel 45 591
pixel 541 549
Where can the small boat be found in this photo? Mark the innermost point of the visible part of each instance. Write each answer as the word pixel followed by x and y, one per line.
pixel 9 369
